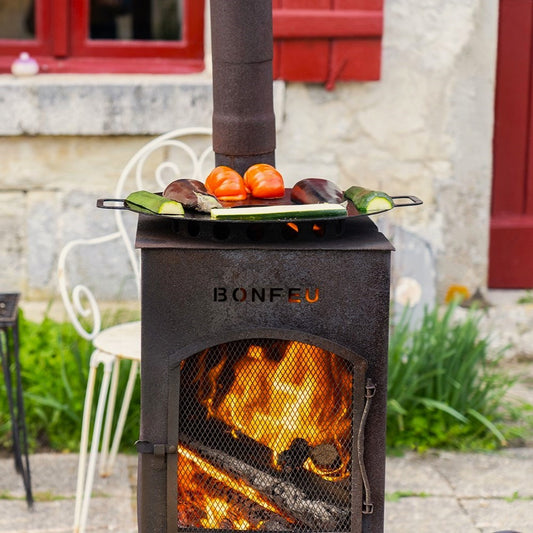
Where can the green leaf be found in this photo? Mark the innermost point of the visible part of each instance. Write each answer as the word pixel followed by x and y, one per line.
pixel 489 425
pixel 435 404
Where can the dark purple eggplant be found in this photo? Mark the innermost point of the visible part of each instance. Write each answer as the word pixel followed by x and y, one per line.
pixel 316 191
pixel 192 194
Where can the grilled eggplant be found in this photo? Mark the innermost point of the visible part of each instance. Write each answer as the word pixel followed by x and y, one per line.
pixel 316 191
pixel 192 194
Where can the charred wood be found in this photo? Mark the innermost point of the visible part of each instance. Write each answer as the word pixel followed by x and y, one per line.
pixel 293 499
pixel 191 510
pixel 216 435
pixel 325 455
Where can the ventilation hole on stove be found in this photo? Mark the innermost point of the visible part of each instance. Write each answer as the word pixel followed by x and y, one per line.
pixel 290 231
pixel 221 231
pixel 193 228
pixel 319 230
pixel 255 232
pixel 339 227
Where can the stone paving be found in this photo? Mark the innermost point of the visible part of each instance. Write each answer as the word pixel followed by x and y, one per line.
pixel 441 492
pixel 54 486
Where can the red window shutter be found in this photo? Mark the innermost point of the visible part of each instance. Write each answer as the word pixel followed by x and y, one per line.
pixel 327 40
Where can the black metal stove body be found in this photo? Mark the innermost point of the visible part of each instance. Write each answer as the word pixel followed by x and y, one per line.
pixel 221 321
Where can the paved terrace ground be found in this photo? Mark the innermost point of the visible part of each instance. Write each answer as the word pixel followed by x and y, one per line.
pixel 444 493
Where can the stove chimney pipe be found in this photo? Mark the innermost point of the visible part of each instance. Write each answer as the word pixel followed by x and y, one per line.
pixel 244 130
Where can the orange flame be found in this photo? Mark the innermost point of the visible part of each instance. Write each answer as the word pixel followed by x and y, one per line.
pixel 305 395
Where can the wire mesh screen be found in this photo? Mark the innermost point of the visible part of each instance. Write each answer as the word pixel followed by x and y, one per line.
pixel 265 438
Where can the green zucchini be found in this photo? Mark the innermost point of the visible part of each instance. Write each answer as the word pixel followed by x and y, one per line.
pixel 149 202
pixel 279 212
pixel 367 201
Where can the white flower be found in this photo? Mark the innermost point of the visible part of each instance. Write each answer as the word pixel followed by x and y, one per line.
pixel 408 292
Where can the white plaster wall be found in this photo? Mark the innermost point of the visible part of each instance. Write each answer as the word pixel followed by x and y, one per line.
pixel 424 128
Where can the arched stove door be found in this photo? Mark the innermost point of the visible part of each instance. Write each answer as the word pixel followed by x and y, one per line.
pixel 268 434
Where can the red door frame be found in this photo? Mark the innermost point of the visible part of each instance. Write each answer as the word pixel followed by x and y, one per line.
pixel 511 228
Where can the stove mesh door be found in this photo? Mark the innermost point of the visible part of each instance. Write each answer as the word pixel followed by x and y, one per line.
pixel 266 438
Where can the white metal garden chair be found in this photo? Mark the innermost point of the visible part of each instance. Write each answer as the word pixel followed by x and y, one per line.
pixel 179 153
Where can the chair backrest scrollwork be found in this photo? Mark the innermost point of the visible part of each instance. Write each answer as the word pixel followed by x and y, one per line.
pixel 181 153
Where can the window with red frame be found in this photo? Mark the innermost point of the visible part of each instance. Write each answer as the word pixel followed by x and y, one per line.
pixel 113 36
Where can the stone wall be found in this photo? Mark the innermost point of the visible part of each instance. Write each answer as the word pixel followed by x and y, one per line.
pixel 425 128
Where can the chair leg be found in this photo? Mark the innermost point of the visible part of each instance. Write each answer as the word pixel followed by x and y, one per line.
pixel 104 450
pixel 84 441
pixel 86 472
pixel 122 416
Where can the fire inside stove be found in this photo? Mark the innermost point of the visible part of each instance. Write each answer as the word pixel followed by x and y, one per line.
pixel 265 438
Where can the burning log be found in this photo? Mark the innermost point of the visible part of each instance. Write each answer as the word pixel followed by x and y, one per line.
pixel 210 498
pixel 289 495
pixel 216 435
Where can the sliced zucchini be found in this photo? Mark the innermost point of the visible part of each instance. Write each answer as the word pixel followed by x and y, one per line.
pixel 368 201
pixel 279 212
pixel 145 201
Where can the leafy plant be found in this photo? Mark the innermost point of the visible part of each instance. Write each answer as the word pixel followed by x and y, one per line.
pixel 54 367
pixel 444 390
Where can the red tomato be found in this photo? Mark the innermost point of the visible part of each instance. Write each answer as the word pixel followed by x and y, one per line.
pixel 264 181
pixel 226 184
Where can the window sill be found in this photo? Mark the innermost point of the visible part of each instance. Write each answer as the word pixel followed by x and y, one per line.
pixel 78 104
pixel 108 104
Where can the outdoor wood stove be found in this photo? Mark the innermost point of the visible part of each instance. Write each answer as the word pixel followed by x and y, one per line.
pixel 264 345
pixel 264 370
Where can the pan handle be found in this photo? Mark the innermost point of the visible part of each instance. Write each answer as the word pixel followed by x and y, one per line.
pixel 413 200
pixel 110 203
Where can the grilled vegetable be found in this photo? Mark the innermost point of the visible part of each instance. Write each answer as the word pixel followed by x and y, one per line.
pixel 316 191
pixel 192 194
pixel 264 181
pixel 366 200
pixel 279 212
pixel 226 184
pixel 149 202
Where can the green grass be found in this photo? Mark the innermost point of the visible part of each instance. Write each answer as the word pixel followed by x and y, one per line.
pixel 444 390
pixel 39 497
pixel 399 494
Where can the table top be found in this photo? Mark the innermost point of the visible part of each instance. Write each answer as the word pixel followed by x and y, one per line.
pixel 8 308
